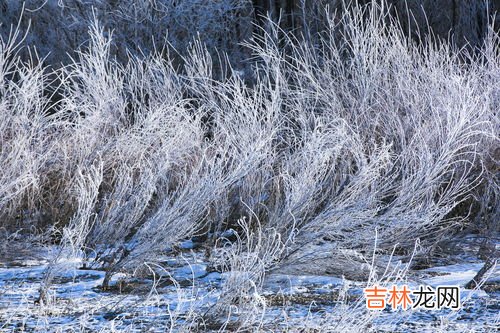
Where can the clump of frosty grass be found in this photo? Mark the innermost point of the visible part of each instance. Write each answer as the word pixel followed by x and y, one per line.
pixel 367 132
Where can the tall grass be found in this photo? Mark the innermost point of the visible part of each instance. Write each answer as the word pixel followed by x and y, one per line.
pixel 321 146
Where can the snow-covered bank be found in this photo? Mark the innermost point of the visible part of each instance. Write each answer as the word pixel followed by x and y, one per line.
pixel 182 291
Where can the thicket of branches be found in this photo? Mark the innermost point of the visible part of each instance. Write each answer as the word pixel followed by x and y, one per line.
pixel 327 145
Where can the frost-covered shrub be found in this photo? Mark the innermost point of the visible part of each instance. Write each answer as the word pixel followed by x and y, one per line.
pixel 389 132
pixel 376 132
pixel 325 144
pixel 27 133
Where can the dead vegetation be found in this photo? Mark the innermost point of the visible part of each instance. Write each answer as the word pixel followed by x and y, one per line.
pixel 330 144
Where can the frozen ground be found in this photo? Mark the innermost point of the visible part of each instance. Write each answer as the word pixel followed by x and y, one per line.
pixel 183 289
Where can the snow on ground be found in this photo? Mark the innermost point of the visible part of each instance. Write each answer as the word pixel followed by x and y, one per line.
pixel 155 305
pixel 458 274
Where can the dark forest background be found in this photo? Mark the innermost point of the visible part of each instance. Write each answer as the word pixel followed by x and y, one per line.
pixel 57 28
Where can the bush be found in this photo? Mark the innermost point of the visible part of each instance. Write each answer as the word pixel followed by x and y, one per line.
pixel 321 144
